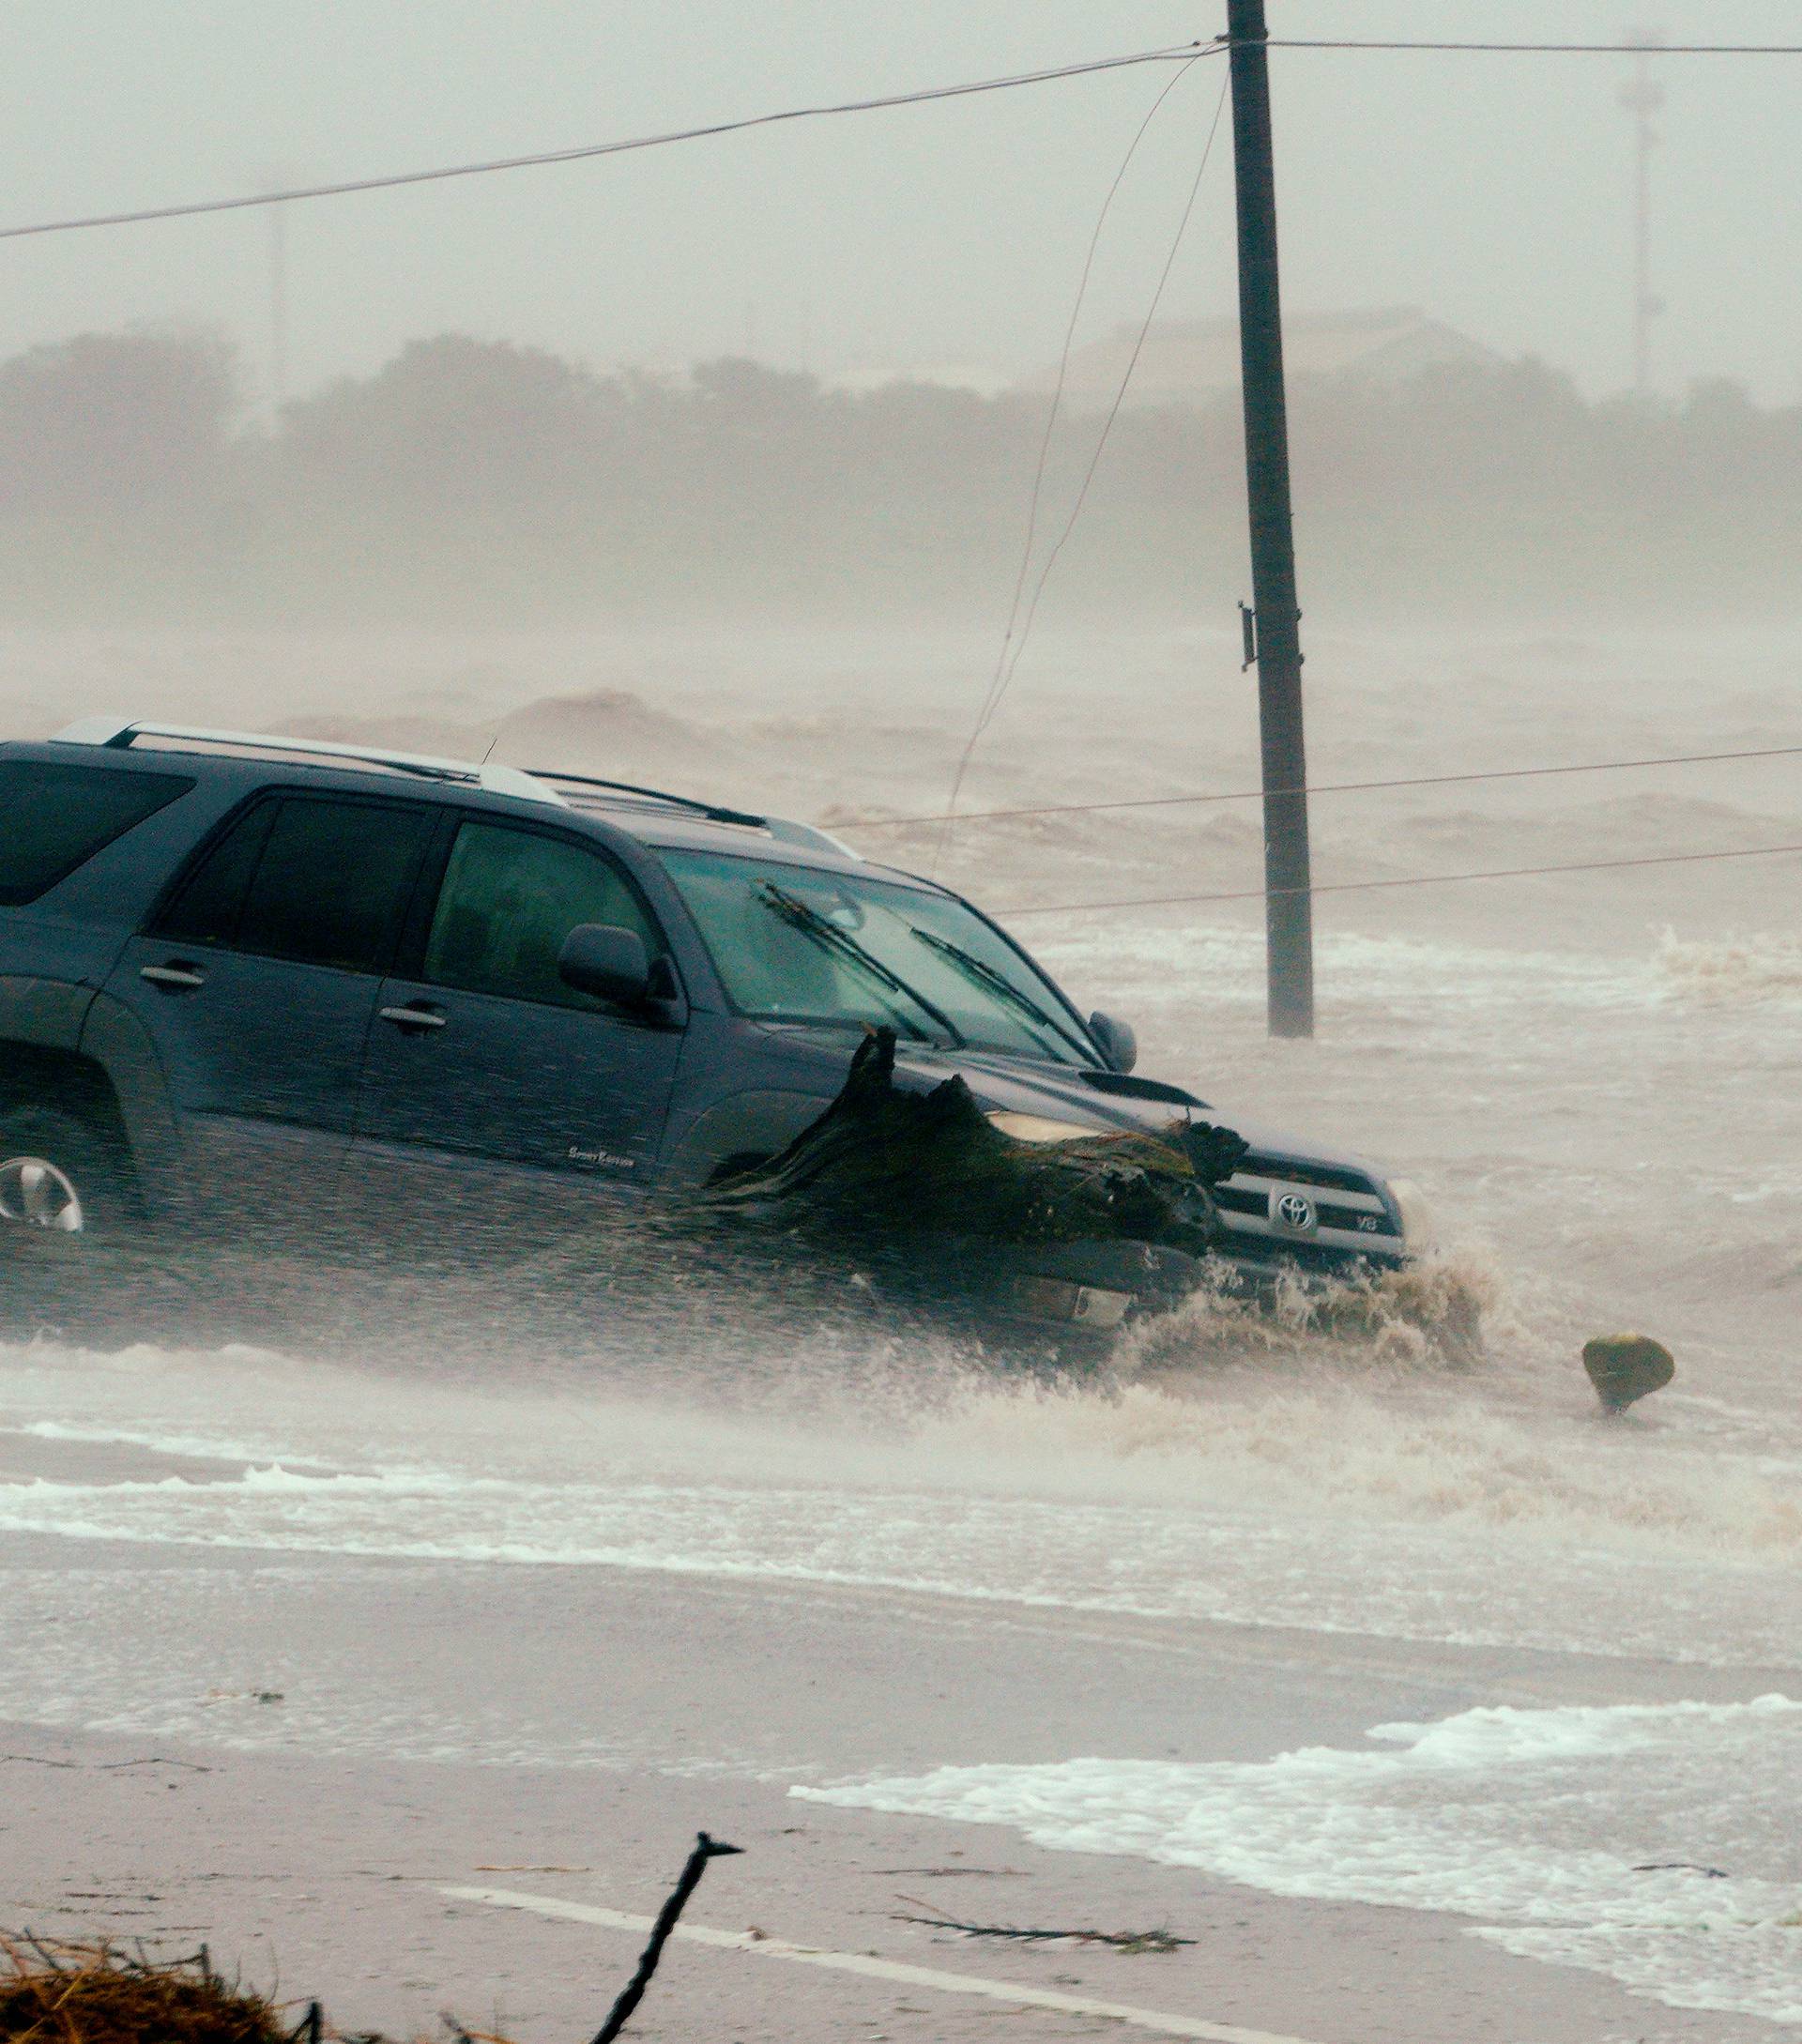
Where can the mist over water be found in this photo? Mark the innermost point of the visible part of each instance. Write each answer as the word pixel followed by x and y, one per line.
pixel 1287 1487
pixel 1594 1077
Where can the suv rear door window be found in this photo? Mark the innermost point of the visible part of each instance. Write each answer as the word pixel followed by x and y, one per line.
pixel 333 883
pixel 55 817
pixel 206 910
pixel 306 878
pixel 510 898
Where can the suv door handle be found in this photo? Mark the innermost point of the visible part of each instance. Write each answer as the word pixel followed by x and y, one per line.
pixel 177 973
pixel 411 1018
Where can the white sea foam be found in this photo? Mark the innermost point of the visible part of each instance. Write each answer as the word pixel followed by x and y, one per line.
pixel 1655 1843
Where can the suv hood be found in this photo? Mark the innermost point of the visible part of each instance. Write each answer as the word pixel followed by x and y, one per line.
pixel 1105 1100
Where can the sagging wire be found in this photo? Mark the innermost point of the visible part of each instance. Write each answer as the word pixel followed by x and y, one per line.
pixel 1318 787
pixel 997 680
pixel 1410 879
pixel 1009 667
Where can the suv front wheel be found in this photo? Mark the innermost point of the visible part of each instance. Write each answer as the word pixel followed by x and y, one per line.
pixel 57 1176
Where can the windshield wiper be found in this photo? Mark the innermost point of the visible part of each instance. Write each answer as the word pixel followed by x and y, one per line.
pixel 1016 998
pixel 827 933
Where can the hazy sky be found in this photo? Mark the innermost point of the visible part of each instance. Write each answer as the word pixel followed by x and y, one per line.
pixel 1494 191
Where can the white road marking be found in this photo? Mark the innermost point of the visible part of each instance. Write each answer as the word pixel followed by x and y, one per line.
pixel 879 1969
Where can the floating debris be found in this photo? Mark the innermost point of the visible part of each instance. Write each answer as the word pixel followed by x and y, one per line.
pixel 1624 1368
pixel 1159 1940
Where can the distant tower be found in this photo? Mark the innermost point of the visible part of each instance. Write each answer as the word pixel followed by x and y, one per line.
pixel 1642 98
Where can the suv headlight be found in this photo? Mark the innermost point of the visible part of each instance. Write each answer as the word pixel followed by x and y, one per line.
pixel 1040 1128
pixel 1419 1230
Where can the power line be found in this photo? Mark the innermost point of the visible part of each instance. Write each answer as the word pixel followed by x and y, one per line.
pixel 1182 54
pixel 1185 55
pixel 1413 879
pixel 1328 787
pixel 1005 678
pixel 1544 49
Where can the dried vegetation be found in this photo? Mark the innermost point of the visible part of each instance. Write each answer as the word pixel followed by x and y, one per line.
pixel 99 1994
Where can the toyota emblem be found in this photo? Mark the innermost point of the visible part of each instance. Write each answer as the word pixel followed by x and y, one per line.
pixel 1295 1211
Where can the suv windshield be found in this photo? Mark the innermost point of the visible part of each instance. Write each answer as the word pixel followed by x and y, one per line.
pixel 797 944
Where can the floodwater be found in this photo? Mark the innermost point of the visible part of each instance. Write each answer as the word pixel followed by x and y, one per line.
pixel 1596 1077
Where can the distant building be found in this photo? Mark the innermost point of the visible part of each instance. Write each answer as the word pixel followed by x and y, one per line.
pixel 982 380
pixel 1194 361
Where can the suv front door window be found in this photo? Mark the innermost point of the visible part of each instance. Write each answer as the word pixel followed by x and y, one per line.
pixel 509 899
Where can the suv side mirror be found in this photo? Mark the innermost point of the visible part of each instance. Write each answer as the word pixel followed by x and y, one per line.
pixel 1118 1041
pixel 605 960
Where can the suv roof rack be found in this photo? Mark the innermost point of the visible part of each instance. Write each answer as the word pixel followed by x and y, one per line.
pixel 533 784
pixel 780 828
pixel 713 812
pixel 118 736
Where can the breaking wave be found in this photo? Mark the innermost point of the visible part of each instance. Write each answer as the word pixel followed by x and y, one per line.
pixel 1732 971
pixel 1497 1814
pixel 1431 1314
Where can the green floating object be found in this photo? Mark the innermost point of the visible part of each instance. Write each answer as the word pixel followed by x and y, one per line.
pixel 1627 1367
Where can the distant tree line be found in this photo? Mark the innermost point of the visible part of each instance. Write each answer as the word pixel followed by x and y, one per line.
pixel 480 481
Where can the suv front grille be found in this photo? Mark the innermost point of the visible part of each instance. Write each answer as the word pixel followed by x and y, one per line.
pixel 1328 1212
pixel 1355 1223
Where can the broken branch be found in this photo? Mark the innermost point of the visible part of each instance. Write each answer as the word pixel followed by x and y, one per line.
pixel 705 1849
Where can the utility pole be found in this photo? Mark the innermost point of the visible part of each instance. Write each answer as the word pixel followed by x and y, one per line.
pixel 1277 641
pixel 1642 98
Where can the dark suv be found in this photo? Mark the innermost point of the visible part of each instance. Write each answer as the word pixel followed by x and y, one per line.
pixel 254 984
